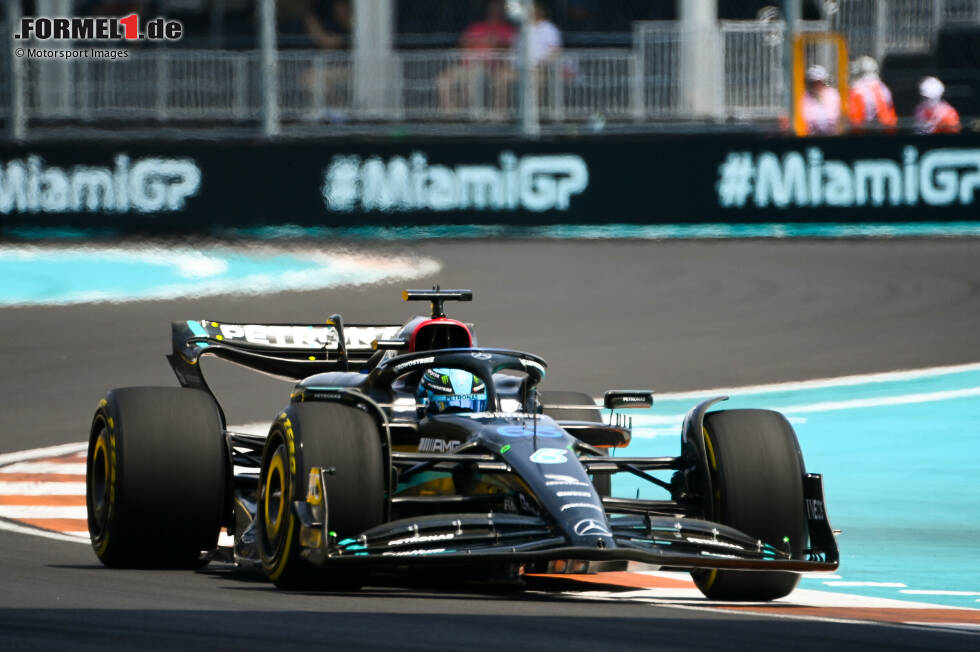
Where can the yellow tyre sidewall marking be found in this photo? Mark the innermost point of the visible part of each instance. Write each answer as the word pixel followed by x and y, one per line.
pixel 109 454
pixel 277 467
pixel 287 430
pixel 713 573
pixel 102 447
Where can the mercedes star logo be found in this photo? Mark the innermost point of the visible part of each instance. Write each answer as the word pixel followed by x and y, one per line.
pixel 591 526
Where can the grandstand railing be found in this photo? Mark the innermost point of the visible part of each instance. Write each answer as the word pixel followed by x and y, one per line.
pixel 877 28
pixel 745 78
pixel 315 86
pixel 628 85
pixel 650 82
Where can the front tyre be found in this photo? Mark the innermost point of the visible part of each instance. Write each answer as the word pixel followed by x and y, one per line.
pixel 325 435
pixel 756 470
pixel 155 477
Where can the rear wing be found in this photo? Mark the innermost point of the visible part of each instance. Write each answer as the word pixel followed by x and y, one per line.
pixel 291 351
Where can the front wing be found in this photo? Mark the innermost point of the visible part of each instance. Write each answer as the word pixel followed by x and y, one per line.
pixel 667 542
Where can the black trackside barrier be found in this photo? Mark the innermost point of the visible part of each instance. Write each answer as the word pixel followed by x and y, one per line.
pixel 209 187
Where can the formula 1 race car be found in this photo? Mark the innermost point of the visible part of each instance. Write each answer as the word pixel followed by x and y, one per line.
pixel 408 447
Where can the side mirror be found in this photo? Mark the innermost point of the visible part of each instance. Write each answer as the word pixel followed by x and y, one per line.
pixel 618 399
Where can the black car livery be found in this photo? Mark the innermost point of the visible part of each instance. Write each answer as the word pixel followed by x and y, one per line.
pixel 356 476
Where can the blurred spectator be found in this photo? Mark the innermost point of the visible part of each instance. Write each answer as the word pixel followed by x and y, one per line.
pixel 820 107
pixel 545 40
pixel 333 32
pixel 309 24
pixel 326 26
pixel 590 23
pixel 934 115
pixel 870 101
pixel 479 41
pixel 544 43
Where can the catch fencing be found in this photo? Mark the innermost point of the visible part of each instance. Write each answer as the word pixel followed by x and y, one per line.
pixel 589 85
pixel 729 72
pixel 877 28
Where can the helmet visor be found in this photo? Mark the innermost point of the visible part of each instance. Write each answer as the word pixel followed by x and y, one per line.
pixel 452 390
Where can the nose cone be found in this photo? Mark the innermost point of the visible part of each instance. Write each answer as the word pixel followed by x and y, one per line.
pixel 543 455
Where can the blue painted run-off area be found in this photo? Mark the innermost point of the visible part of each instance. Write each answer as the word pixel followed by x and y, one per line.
pixel 60 275
pixel 900 456
pixel 607 230
pixel 614 231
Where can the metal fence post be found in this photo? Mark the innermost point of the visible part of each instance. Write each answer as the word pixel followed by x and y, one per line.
pixel 163 85
pixel 239 86
pixel 270 67
pixel 378 69
pixel 53 81
pixel 637 66
pixel 881 31
pixel 792 13
pixel 722 103
pixel 18 107
pixel 556 86
pixel 527 75
pixel 699 63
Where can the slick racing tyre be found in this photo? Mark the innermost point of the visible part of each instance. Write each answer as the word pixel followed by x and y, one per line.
pixel 330 436
pixel 602 482
pixel 756 471
pixel 155 477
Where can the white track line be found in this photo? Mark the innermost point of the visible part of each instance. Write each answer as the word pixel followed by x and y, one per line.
pixel 47 534
pixel 76 468
pixel 42 488
pixel 819 576
pixel 49 451
pixel 891 585
pixel 42 511
pixel 834 381
pixel 938 592
pixel 955 627
pixel 880 401
pixel 799 598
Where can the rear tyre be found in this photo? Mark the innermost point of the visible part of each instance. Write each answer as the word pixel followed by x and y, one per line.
pixel 155 477
pixel 308 435
pixel 757 473
pixel 601 482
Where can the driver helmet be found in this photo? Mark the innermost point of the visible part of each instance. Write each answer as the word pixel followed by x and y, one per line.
pixel 445 390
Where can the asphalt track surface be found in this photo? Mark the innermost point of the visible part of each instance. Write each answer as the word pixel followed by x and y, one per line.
pixel 668 315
